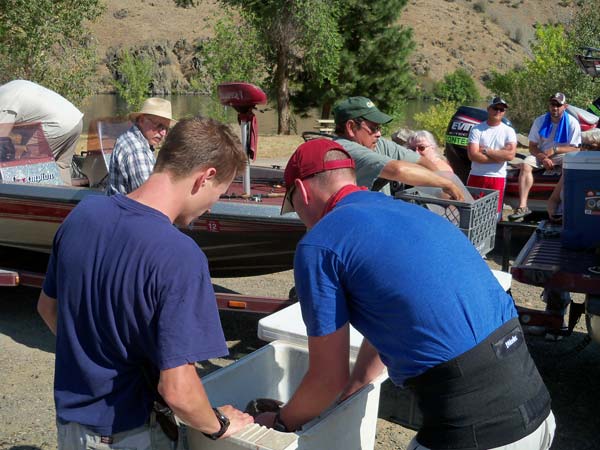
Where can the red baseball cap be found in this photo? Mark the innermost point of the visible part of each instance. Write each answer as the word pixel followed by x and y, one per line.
pixel 308 160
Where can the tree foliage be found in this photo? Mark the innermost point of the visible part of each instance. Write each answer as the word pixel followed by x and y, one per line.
pixel 458 87
pixel 373 59
pixel 46 41
pixel 296 36
pixel 135 76
pixel 436 119
pixel 552 68
pixel 232 54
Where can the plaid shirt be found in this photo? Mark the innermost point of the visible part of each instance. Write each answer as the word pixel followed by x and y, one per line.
pixel 131 162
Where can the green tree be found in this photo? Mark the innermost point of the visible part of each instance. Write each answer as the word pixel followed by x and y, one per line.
pixel 552 68
pixel 458 87
pixel 46 41
pixel 134 78
pixel 436 119
pixel 296 36
pixel 373 59
pixel 232 54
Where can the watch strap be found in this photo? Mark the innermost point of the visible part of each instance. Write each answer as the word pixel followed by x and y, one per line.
pixel 278 424
pixel 223 420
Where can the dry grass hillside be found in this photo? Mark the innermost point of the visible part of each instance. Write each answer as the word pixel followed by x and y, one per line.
pixel 476 35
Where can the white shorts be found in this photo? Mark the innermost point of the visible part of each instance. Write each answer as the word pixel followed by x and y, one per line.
pixel 540 439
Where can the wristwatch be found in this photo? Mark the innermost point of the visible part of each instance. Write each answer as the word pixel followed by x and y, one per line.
pixel 484 151
pixel 224 421
pixel 278 424
pixel 555 149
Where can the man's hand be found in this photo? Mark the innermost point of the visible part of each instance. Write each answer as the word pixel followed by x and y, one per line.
pixel 548 163
pixel 237 419
pixel 454 191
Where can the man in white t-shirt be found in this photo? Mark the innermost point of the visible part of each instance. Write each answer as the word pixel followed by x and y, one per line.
pixel 491 144
pixel 22 101
pixel 551 136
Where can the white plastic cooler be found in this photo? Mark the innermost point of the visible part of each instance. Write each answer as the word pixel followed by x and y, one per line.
pixel 275 371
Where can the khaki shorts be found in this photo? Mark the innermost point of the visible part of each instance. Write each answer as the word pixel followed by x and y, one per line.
pixel 533 161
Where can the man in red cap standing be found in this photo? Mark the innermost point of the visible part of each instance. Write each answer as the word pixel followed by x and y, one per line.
pixel 474 379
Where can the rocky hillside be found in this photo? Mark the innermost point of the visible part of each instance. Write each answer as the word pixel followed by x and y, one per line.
pixel 476 35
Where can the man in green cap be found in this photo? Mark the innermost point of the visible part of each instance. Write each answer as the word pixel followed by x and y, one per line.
pixel 379 161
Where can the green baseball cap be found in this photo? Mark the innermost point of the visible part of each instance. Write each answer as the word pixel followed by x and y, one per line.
pixel 354 107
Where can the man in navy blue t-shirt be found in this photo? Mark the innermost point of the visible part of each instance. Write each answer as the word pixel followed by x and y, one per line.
pixel 429 308
pixel 130 300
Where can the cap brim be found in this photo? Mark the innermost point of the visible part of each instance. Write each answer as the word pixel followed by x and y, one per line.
pixel 287 206
pixel 377 117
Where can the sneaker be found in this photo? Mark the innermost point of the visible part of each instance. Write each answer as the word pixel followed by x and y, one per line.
pixel 519 213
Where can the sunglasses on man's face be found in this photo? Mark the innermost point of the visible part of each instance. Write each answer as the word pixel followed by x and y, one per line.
pixel 499 108
pixel 374 128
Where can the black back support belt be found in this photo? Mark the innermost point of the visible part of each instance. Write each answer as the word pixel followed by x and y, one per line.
pixel 489 396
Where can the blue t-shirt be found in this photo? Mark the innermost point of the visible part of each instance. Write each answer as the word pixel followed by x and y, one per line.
pixel 406 278
pixel 131 290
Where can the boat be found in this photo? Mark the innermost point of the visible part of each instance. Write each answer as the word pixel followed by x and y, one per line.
pixel 242 235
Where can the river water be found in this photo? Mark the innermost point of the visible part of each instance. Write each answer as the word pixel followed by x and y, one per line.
pixel 108 105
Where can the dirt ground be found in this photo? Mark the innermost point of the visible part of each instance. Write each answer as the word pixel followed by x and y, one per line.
pixel 27 358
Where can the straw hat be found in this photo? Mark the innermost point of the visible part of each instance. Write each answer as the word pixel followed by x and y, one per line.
pixel 156 107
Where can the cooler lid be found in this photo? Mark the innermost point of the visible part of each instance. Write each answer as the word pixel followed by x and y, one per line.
pixel 287 325
pixel 588 160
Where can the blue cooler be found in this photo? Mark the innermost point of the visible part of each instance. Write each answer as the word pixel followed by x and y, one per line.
pixel 581 200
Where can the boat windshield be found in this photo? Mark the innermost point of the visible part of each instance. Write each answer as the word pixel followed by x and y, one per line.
pixel 103 133
pixel 25 141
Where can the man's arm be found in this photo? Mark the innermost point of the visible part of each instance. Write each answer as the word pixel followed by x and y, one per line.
pixel 416 175
pixel 183 391
pixel 367 367
pixel 327 375
pixel 140 166
pixel 542 157
pixel 491 155
pixel 48 309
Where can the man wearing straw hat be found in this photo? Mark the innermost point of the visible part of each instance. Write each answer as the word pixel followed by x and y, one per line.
pixel 132 159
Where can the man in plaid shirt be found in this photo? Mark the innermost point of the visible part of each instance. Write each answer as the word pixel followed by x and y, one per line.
pixel 132 159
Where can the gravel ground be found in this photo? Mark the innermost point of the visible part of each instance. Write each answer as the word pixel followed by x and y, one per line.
pixel 27 358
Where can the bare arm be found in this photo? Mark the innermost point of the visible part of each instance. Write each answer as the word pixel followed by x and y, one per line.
pixel 48 309
pixel 183 391
pixel 542 157
pixel 416 175
pixel 327 374
pixel 492 155
pixel 367 367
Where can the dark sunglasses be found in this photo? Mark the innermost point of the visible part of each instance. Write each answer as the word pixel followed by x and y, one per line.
pixel 422 147
pixel 372 128
pixel 499 108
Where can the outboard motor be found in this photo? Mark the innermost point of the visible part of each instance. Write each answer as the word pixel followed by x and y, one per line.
pixel 457 135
